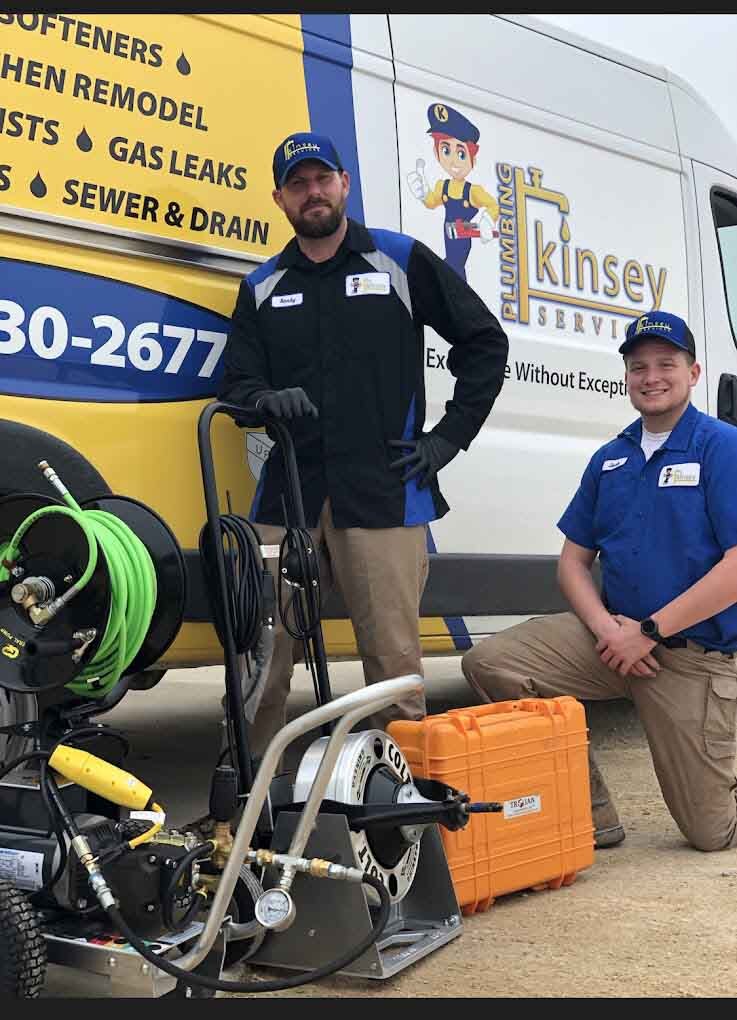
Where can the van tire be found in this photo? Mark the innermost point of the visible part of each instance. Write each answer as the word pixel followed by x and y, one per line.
pixel 23 447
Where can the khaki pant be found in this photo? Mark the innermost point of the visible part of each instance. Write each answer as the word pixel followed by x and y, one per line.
pixel 381 573
pixel 688 711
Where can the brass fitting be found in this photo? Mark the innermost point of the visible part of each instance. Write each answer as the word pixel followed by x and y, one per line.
pixel 263 857
pixel 319 868
pixel 210 882
pixel 222 837
pixel 40 615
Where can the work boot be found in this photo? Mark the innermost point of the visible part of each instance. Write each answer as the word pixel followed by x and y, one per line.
pixel 608 829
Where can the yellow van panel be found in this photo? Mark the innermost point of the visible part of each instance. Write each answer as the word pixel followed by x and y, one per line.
pixel 155 126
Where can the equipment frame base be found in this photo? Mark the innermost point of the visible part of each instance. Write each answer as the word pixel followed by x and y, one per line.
pixel 332 915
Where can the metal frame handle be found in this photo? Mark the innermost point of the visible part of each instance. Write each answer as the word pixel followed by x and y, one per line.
pixel 352 708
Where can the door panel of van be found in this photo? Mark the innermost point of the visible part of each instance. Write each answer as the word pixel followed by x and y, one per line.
pixel 716 197
pixel 587 233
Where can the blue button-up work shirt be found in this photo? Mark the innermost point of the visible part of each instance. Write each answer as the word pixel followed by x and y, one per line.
pixel 661 525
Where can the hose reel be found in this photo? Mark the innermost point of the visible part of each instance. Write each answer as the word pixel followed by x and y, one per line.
pixel 370 769
pixel 88 592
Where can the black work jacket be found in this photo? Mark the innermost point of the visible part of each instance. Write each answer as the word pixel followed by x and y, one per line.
pixel 349 331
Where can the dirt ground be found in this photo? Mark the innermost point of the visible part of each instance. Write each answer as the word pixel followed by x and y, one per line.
pixel 650 918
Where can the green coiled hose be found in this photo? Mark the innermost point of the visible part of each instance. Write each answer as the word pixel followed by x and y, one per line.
pixel 133 590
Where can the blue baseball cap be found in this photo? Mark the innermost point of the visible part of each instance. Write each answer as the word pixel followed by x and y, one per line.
pixel 662 326
pixel 447 121
pixel 298 147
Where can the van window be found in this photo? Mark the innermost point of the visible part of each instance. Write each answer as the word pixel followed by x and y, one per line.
pixel 724 208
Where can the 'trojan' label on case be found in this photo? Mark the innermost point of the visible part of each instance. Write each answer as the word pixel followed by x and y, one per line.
pixel 23 868
pixel 522 806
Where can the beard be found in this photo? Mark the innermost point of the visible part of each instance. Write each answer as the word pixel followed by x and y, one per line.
pixel 323 226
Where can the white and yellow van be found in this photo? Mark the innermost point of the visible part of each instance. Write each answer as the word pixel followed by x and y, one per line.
pixel 135 192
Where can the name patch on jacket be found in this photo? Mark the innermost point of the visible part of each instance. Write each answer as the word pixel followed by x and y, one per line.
pixel 286 300
pixel 679 474
pixel 367 283
pixel 610 465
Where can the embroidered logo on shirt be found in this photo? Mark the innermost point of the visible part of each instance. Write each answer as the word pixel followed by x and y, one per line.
pixel 286 300
pixel 367 283
pixel 679 474
pixel 610 465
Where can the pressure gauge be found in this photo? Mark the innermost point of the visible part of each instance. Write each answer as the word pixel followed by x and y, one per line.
pixel 275 909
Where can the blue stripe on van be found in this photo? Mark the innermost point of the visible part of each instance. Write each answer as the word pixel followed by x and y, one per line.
pixel 456 624
pixel 328 63
pixel 79 336
pixel 335 27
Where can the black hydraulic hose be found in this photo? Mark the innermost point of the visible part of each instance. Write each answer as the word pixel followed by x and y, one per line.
pixel 60 807
pixel 203 850
pixel 56 828
pixel 30 756
pixel 198 901
pixel 263 986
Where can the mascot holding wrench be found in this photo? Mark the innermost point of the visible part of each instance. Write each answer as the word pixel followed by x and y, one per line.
pixel 456 145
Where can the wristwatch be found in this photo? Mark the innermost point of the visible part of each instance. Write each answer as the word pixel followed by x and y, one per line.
pixel 650 629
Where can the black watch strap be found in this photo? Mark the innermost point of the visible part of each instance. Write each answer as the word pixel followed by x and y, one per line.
pixel 650 629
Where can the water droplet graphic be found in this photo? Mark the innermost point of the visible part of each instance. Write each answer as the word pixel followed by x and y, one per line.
pixel 565 231
pixel 84 142
pixel 183 65
pixel 38 187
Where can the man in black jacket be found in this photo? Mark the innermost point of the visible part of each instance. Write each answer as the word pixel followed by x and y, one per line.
pixel 328 335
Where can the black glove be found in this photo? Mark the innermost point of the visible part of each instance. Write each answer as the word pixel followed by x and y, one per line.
pixel 429 454
pixel 293 403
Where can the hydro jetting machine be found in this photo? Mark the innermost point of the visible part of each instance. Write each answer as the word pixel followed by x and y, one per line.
pixel 292 867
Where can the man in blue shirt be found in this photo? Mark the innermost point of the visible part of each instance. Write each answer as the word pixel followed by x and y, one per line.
pixel 657 506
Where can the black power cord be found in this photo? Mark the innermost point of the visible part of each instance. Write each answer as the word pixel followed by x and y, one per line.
pixel 240 611
pixel 295 981
pixel 244 573
pixel 300 613
pixel 298 566
pixel 70 736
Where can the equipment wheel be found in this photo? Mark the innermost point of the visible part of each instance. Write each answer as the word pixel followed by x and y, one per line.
pixel 22 946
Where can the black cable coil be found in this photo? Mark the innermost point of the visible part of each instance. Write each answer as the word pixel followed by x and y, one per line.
pixel 244 576
pixel 300 614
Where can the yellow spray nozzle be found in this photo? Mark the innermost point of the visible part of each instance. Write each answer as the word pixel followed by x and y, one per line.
pixel 100 777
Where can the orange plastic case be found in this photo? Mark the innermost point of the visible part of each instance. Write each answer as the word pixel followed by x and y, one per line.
pixel 532 756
